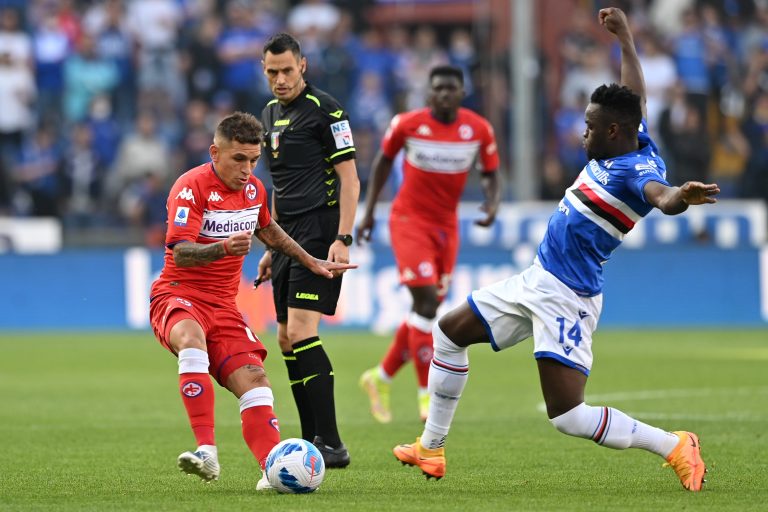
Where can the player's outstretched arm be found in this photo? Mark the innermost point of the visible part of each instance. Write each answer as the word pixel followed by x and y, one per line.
pixel 615 21
pixel 273 236
pixel 674 200
pixel 380 171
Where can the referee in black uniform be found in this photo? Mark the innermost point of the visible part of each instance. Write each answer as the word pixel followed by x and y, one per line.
pixel 311 158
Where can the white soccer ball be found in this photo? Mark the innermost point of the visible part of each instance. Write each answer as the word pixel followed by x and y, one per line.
pixel 295 466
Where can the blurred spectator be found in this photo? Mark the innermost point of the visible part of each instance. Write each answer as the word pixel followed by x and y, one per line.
pixel 554 179
pixel 13 40
pixel 660 75
pixel 141 152
pixel 569 136
pixel 155 26
pixel 38 176
pixel 339 70
pixel 593 70
pixel 82 177
pixel 370 106
pixel 578 38
pixel 313 14
pixel 462 54
pixel 17 92
pixel 690 52
pixel 114 43
pixel 106 132
pixel 198 134
pixel 86 75
pixel 143 205
pixel 51 49
pixel 200 60
pixel 422 56
pixel 754 182
pixel 687 150
pixel 239 49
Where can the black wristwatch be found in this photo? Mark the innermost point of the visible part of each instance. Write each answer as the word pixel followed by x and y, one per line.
pixel 347 239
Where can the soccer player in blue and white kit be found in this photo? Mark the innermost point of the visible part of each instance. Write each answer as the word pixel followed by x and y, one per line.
pixel 558 299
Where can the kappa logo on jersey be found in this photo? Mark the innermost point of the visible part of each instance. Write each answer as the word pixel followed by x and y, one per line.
pixel 407 275
pixel 250 192
pixel 466 132
pixel 192 389
pixel 424 130
pixel 186 193
pixel 184 301
pixel 214 196
pixel 182 216
pixel 342 134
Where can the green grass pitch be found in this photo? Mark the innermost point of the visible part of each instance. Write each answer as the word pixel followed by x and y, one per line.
pixel 92 421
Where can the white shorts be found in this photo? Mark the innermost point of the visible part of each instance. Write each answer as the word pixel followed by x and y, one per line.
pixel 535 303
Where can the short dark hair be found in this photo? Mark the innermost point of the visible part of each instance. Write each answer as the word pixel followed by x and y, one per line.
pixel 241 127
pixel 282 42
pixel 620 103
pixel 447 70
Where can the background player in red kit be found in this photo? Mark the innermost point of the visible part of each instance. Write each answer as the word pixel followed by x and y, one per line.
pixel 213 211
pixel 442 143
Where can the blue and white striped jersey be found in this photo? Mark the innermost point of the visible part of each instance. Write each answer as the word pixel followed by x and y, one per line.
pixel 603 204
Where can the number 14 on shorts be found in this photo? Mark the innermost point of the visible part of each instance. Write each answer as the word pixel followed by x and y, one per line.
pixel 573 334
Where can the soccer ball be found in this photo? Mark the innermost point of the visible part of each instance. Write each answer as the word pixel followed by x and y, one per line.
pixel 295 466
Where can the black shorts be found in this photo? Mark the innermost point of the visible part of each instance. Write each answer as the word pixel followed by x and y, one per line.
pixel 293 285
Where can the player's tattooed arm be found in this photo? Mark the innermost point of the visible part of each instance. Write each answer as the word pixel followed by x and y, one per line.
pixel 275 238
pixel 189 254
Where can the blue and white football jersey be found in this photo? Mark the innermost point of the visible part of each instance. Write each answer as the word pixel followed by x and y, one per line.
pixel 604 204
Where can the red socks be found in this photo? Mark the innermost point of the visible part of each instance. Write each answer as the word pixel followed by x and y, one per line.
pixel 397 354
pixel 197 395
pixel 420 346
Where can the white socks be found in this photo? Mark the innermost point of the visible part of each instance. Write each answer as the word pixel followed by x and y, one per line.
pixel 612 428
pixel 447 378
pixel 193 360
pixel 256 397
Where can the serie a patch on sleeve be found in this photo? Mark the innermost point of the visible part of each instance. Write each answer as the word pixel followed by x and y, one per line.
pixel 182 216
pixel 342 134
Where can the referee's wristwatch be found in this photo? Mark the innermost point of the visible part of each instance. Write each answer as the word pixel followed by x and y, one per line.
pixel 347 239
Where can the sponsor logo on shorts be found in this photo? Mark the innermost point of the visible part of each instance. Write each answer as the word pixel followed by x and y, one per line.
pixel 184 302
pixel 275 424
pixel 408 274
pixel 307 296
pixel 426 269
pixel 192 389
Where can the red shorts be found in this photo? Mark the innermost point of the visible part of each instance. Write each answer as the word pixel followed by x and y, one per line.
pixel 425 253
pixel 231 344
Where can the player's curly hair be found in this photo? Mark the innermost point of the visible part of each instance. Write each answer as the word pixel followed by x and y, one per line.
pixel 620 104
pixel 447 70
pixel 241 127
pixel 282 42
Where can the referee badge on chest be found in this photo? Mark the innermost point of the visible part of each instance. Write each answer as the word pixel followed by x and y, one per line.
pixel 274 143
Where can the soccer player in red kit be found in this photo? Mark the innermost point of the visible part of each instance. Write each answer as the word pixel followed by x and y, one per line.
pixel 213 212
pixel 442 144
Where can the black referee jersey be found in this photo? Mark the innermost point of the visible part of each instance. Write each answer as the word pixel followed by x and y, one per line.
pixel 303 140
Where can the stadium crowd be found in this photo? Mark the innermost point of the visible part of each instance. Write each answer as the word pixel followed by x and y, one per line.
pixel 104 102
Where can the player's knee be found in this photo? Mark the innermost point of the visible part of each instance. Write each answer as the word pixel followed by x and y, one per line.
pixel 575 422
pixel 247 377
pixel 443 345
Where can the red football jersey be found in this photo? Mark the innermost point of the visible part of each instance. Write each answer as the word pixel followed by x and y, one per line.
pixel 438 158
pixel 202 209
